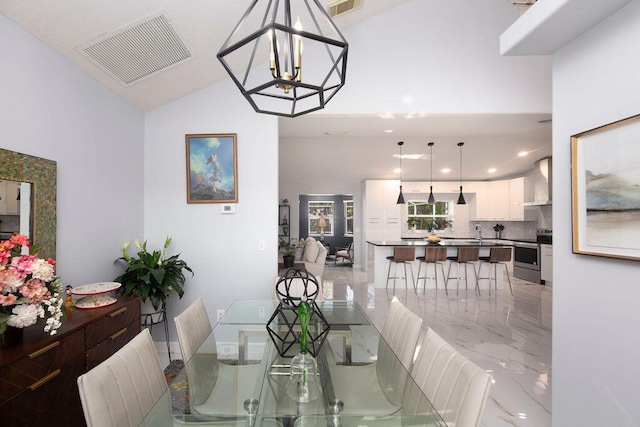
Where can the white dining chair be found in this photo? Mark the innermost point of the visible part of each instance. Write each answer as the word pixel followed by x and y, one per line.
pixel 215 388
pixel 377 389
pixel 456 387
pixel 125 388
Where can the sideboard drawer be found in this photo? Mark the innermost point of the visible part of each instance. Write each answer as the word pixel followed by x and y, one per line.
pixel 50 400
pixel 39 363
pixel 113 322
pixel 113 343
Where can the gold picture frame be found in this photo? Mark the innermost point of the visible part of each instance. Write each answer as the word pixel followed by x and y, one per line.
pixel 605 190
pixel 212 168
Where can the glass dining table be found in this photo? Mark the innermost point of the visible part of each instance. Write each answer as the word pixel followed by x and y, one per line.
pixel 238 376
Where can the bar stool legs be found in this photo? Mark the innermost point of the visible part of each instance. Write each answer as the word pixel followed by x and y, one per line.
pixel 496 256
pixel 495 274
pixel 459 276
pixel 426 276
pixel 395 274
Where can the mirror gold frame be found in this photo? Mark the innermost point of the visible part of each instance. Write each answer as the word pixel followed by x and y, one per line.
pixel 42 174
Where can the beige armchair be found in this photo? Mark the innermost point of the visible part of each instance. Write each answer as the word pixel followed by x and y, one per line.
pixel 344 253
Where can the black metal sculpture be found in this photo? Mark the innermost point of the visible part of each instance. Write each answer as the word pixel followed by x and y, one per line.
pixel 297 286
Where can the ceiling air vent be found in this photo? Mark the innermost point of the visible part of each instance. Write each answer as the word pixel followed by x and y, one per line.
pixel 138 51
pixel 341 7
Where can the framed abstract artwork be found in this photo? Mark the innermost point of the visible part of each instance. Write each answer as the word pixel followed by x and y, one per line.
pixel 605 190
pixel 212 168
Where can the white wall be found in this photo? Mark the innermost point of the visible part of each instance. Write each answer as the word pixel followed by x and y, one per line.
pixel 595 305
pixel 222 249
pixel 52 109
pixel 440 57
pixel 423 57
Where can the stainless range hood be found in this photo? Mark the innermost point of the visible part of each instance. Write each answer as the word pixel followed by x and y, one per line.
pixel 542 184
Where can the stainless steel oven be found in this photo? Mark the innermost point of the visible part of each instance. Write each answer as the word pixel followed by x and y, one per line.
pixel 526 261
pixel 526 256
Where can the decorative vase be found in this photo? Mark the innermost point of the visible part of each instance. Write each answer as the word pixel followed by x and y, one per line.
pixel 303 385
pixel 11 336
pixel 288 261
pixel 498 234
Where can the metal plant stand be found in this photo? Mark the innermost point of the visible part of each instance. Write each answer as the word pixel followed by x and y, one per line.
pixel 148 320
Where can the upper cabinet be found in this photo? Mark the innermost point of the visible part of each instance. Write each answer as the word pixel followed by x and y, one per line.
pixel 492 201
pixel 502 201
pixel 517 212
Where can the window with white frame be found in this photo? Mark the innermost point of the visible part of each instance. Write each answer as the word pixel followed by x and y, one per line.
pixel 321 221
pixel 422 215
pixel 348 217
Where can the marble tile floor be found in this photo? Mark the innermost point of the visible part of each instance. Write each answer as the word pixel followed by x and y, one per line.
pixel 509 336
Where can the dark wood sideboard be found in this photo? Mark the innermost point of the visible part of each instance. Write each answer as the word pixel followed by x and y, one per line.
pixel 38 377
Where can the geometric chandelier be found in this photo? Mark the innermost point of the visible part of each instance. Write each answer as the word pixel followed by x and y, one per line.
pixel 265 51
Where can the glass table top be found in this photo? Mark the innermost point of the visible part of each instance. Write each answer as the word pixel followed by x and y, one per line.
pixel 239 378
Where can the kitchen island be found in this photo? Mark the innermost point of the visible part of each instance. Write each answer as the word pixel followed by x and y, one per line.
pixel 377 264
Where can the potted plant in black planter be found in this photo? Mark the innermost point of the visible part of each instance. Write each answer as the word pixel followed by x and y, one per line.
pixel 152 276
pixel 289 251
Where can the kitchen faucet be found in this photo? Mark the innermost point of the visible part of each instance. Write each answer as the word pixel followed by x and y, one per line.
pixel 479 232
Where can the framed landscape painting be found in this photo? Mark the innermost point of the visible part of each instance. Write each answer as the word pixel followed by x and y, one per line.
pixel 605 190
pixel 212 168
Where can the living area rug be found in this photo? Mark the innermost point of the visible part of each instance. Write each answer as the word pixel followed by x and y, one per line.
pixel 178 386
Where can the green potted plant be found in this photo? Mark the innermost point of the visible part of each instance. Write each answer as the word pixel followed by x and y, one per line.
pixel 289 251
pixel 152 275
pixel 413 223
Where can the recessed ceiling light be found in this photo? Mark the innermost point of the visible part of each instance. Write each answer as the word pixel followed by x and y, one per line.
pixel 336 132
pixel 523 153
pixel 445 170
pixel 388 130
pixel 397 170
pixel 492 170
pixel 410 156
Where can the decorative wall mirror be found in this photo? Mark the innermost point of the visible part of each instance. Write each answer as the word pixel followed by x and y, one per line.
pixel 41 174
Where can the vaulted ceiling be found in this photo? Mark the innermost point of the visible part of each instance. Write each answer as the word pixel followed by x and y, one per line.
pixel 75 27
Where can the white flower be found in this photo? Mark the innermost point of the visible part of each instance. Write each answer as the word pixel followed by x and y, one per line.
pixel 43 270
pixel 23 315
pixel 13 282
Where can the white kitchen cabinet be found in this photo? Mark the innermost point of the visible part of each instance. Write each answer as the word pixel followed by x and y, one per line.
pixel 546 263
pixel 517 212
pixel 382 214
pixel 492 201
pixel 499 199
pixel 483 203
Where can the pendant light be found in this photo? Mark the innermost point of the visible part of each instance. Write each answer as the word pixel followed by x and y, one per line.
pixel 461 200
pixel 431 199
pixel 265 51
pixel 400 196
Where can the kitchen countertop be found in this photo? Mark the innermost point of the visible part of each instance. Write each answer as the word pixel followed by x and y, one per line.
pixel 452 243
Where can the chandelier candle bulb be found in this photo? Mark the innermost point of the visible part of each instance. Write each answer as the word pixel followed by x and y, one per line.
pixel 298 51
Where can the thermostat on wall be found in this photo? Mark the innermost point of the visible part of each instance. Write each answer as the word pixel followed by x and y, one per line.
pixel 228 208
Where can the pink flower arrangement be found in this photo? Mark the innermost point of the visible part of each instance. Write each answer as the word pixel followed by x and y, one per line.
pixel 29 289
